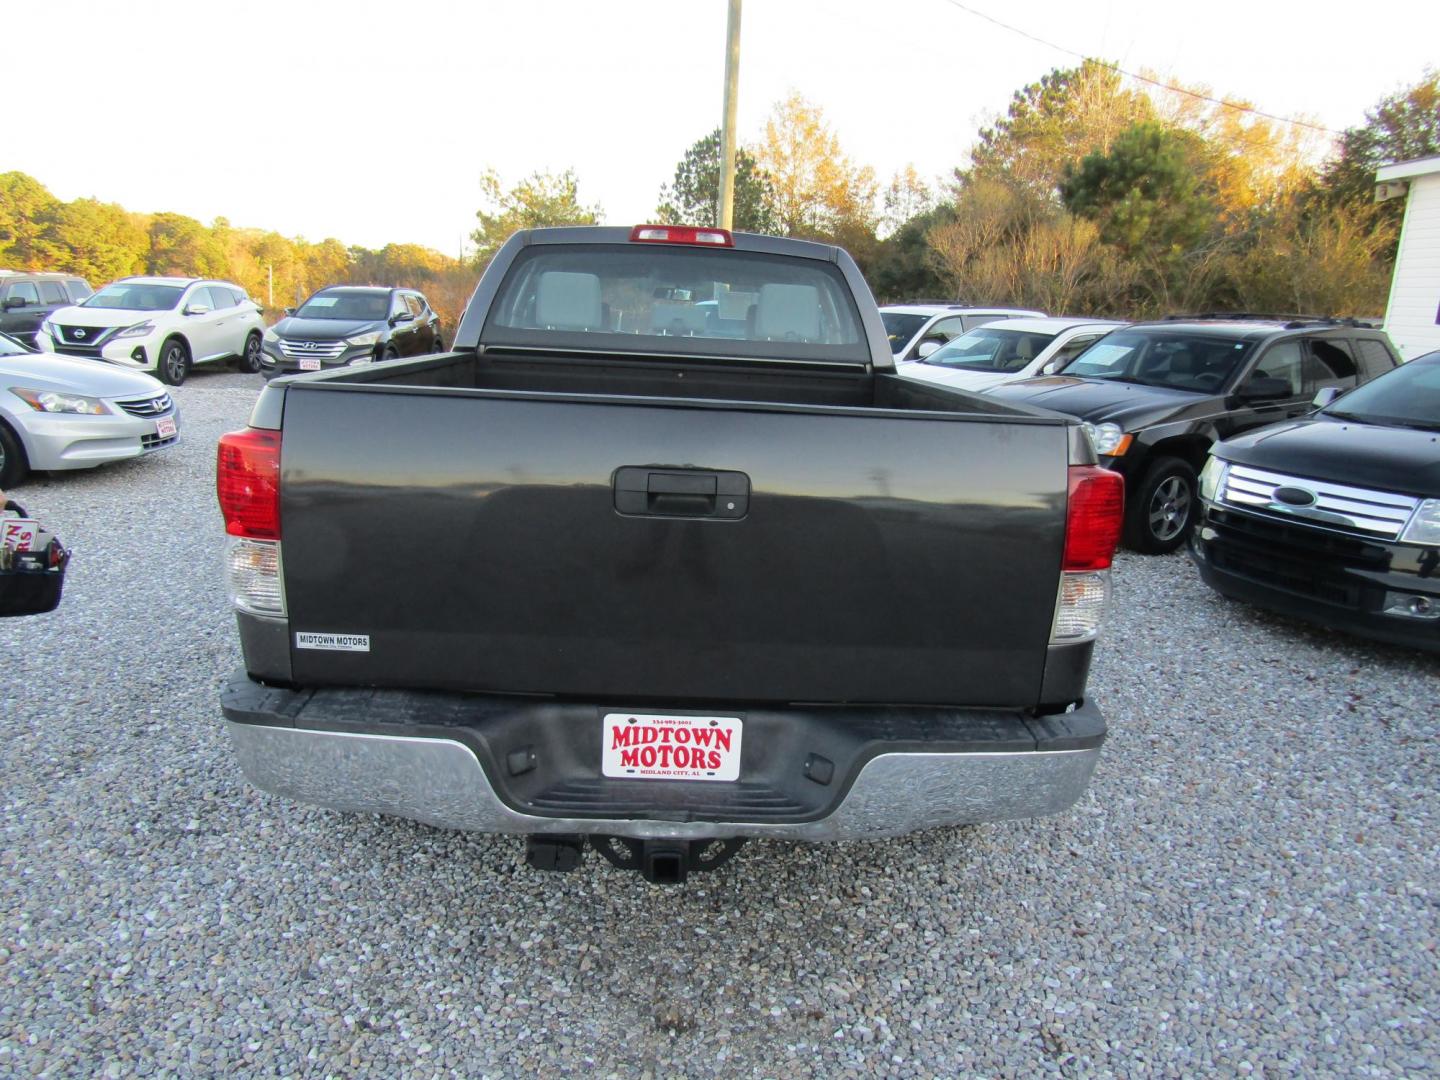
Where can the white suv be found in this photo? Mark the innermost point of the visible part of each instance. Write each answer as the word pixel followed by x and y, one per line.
pixel 1007 351
pixel 160 324
pixel 916 330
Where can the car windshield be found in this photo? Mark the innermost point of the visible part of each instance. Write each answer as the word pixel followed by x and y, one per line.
pixel 901 326
pixel 350 306
pixel 1408 396
pixel 133 296
pixel 1179 360
pixel 989 348
pixel 673 299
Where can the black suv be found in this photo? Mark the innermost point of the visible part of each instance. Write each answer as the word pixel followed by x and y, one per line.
pixel 1156 396
pixel 27 298
pixel 350 324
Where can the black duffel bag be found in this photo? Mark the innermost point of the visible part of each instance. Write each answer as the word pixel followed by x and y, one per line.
pixel 31 581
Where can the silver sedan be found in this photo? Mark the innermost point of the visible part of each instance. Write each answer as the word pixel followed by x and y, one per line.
pixel 58 413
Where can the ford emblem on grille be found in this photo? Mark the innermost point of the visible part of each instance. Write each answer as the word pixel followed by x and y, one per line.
pixel 77 333
pixel 1294 496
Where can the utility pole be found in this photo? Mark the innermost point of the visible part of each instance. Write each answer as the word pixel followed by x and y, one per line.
pixel 270 293
pixel 727 132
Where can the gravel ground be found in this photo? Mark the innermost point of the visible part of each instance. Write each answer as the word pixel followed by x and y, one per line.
pixel 1249 887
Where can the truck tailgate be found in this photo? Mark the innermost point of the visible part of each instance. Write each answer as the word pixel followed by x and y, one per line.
pixel 875 560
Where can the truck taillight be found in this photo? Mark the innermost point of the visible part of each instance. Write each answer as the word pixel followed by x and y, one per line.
pixel 681 234
pixel 1094 514
pixel 247 481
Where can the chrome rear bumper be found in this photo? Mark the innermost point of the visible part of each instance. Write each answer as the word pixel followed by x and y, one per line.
pixel 440 781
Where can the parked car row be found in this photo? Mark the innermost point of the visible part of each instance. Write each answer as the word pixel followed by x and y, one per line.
pixel 1157 399
pixel 168 325
pixel 1296 456
pixel 67 400
pixel 1157 396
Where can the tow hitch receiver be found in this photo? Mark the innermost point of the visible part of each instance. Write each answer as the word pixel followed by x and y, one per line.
pixel 666 862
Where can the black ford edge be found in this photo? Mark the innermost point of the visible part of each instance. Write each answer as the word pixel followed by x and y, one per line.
pixel 1335 518
pixel 343 325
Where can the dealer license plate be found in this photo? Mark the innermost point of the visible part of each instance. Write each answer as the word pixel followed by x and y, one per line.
pixel 643 746
pixel 165 427
pixel 309 363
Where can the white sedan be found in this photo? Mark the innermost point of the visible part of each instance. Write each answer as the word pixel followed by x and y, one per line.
pixel 161 324
pixel 57 413
pixel 1008 351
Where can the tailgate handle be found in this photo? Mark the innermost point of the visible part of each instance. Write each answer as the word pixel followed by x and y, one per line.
pixel 642 491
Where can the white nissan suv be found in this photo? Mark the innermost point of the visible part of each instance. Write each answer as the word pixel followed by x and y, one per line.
pixel 918 328
pixel 1007 351
pixel 165 325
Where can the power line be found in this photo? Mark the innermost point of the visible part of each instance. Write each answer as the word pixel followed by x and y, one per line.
pixel 1141 78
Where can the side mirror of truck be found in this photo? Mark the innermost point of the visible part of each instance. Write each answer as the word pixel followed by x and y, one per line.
pixel 1325 395
pixel 926 348
pixel 14 302
pixel 1263 388
pixel 401 316
pixel 289 311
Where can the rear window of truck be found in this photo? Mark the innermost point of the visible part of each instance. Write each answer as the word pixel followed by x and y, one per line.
pixel 648 299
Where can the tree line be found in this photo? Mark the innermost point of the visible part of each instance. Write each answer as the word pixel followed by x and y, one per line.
pixel 1086 196
pixel 102 241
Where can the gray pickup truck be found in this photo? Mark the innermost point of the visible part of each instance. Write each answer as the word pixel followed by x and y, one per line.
pixel 663 555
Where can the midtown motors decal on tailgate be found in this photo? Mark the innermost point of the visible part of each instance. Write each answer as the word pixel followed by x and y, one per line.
pixel 641 747
pixel 333 642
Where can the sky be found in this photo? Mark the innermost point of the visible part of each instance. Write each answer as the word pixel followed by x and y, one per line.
pixel 372 122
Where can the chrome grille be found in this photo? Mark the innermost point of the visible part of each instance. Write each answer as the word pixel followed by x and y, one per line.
pixel 322 350
pixel 154 406
pixel 1356 510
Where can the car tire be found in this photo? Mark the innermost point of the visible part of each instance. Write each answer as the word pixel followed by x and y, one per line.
pixel 174 362
pixel 14 466
pixel 250 358
pixel 1162 513
pixel 390 353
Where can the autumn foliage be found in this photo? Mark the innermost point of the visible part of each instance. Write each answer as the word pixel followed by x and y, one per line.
pixel 1088 195
pixel 102 242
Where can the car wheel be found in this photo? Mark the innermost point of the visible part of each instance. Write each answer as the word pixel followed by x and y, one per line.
pixel 13 465
pixel 250 358
pixel 438 346
pixel 174 362
pixel 1163 511
pixel 390 353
